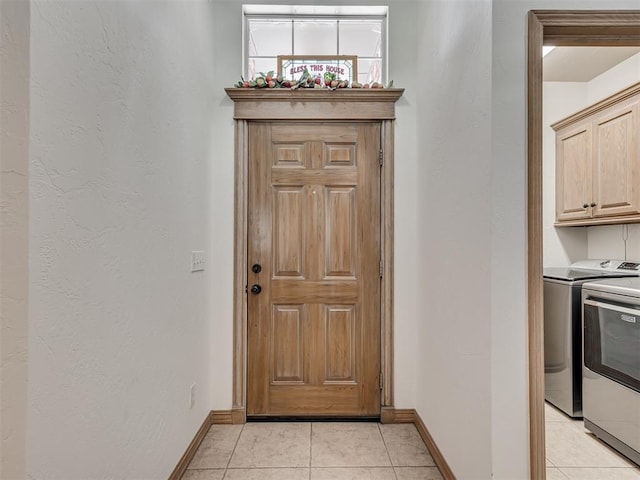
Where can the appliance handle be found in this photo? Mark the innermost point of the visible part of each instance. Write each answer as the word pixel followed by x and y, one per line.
pixel 616 308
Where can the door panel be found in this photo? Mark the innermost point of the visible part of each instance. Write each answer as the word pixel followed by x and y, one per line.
pixel 288 234
pixel 573 172
pixel 340 352
pixel 616 189
pixel 314 227
pixel 287 343
pixel 341 248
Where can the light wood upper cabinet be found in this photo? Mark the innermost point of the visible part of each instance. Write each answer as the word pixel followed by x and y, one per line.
pixel 616 180
pixel 598 162
pixel 574 171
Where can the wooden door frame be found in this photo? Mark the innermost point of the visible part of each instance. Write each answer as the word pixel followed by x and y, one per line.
pixel 560 28
pixel 318 106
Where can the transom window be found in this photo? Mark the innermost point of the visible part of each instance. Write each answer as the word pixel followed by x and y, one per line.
pixel 271 30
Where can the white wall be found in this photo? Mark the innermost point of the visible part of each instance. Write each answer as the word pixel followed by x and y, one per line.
pixel 615 79
pixel 609 242
pixel 454 224
pixel 227 50
pixel 14 231
pixel 563 246
pixel 404 30
pixel 120 160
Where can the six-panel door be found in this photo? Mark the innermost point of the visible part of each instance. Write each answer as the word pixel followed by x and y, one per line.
pixel 314 283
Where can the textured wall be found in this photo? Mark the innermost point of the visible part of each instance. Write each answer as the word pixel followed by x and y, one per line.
pixel 14 221
pixel 454 224
pixel 121 155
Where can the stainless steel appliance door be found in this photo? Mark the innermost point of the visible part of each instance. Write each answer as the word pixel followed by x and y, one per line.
pixel 612 340
pixel 615 410
pixel 611 374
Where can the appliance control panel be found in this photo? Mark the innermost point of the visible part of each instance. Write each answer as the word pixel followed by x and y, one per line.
pixel 607 265
pixel 629 266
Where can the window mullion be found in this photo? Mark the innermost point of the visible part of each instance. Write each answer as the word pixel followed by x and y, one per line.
pixel 343 26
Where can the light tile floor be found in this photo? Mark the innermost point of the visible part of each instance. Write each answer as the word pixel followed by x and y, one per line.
pixel 574 453
pixel 316 451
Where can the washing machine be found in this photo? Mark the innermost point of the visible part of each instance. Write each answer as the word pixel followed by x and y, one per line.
pixel 562 326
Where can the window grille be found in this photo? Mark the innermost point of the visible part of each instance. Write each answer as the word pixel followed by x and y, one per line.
pixel 271 30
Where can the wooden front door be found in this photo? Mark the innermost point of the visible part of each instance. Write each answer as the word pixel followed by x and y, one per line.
pixel 313 269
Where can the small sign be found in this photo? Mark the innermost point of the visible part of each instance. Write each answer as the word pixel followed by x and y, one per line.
pixel 344 67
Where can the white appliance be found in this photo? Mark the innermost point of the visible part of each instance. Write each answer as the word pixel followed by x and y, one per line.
pixel 611 373
pixel 562 327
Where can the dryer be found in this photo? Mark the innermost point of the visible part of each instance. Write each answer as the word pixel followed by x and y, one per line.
pixel 562 327
pixel 611 374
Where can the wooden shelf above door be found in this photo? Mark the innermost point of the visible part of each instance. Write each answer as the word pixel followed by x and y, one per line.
pixel 314 104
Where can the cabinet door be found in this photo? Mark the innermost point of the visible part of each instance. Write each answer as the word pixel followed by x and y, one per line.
pixel 616 187
pixel 573 171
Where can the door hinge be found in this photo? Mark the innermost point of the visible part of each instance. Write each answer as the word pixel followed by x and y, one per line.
pixel 381 381
pixel 381 156
pixel 381 268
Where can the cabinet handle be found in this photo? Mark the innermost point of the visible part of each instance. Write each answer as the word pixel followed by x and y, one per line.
pixel 585 205
pixel 593 204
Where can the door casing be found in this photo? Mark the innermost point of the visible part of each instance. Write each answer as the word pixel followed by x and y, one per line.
pixel 310 105
pixel 560 28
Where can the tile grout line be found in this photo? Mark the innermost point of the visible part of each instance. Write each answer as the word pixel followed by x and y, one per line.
pixel 562 473
pixel 235 445
pixel 384 442
pixel 574 467
pixel 560 423
pixel 226 466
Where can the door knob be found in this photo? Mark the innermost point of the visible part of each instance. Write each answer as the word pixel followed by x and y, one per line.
pixel 593 204
pixel 257 268
pixel 585 205
pixel 256 289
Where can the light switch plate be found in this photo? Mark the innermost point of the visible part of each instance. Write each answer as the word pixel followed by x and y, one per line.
pixel 197 261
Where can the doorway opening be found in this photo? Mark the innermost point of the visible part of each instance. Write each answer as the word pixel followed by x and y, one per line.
pixel 558 28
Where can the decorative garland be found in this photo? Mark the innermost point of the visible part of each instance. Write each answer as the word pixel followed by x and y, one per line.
pixel 328 81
